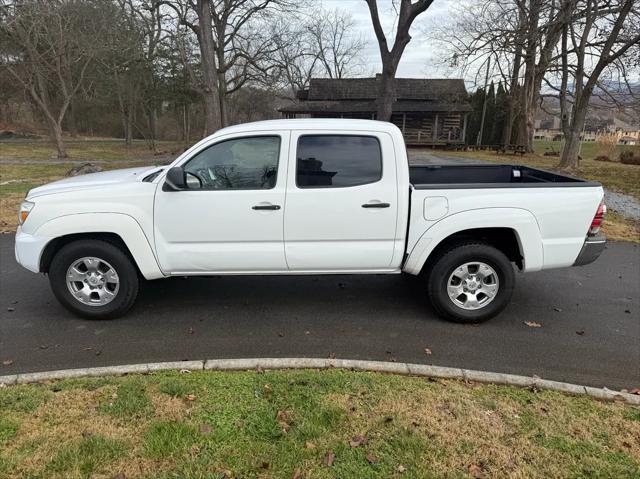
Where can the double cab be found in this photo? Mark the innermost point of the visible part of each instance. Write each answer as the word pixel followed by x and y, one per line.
pixel 307 196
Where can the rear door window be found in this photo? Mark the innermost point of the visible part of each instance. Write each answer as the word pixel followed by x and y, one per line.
pixel 337 161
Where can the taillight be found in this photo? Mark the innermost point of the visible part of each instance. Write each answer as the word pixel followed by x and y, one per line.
pixel 598 219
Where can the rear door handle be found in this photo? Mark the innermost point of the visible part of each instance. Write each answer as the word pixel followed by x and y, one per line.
pixel 265 207
pixel 376 205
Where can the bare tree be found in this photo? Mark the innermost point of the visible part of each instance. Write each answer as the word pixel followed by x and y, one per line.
pixel 334 44
pixel 520 36
pixel 319 44
pixel 47 48
pixel 606 33
pixel 231 46
pixel 407 13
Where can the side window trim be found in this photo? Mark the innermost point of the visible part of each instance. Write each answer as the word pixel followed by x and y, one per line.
pixel 329 187
pixel 276 135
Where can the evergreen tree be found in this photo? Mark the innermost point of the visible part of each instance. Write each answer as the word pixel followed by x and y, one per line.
pixel 473 122
pixel 487 131
pixel 500 115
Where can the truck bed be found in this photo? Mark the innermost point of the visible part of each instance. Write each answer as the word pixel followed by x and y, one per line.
pixel 488 176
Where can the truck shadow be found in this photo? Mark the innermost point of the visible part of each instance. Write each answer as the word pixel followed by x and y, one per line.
pixel 386 295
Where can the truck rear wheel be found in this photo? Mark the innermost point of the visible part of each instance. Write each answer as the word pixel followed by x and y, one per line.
pixel 471 282
pixel 94 279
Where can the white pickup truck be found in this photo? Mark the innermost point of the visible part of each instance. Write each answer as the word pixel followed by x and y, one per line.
pixel 307 196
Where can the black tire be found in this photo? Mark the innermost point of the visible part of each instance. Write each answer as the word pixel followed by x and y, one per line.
pixel 126 273
pixel 456 256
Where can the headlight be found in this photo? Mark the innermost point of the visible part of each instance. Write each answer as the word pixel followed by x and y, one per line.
pixel 25 209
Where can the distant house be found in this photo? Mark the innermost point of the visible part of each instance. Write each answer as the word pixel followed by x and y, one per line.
pixel 628 140
pixel 428 111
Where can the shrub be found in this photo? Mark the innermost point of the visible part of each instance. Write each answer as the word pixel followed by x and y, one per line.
pixel 629 157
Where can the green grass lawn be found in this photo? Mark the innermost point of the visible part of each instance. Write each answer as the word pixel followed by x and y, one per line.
pixel 309 424
pixel 86 149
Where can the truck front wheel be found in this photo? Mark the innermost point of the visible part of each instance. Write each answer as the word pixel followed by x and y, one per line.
pixel 94 279
pixel 470 282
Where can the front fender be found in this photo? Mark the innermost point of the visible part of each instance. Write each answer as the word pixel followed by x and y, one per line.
pixel 520 220
pixel 125 226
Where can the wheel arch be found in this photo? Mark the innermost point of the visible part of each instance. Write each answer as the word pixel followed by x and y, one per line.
pixel 118 229
pixel 513 231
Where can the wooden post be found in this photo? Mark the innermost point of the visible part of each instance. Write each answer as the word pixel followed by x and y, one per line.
pixel 435 128
pixel 464 128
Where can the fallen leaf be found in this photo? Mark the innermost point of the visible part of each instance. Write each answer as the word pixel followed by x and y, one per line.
pixel 120 475
pixel 328 459
pixel 626 444
pixel 266 391
pixel 357 441
pixel 265 465
pixel 628 311
pixel 7 362
pixel 401 468
pixel 475 471
pixel 190 397
pixel 635 391
pixel 559 310
pixel 580 332
pixel 284 418
pixel 259 370
pixel 533 324
pixel 43 346
pixel 297 474
pixel 372 459
pixel 86 433
pixel 206 429
pixel 427 351
pixel 185 371
pixel 309 445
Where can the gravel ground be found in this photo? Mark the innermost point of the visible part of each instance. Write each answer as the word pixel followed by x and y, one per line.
pixel 625 205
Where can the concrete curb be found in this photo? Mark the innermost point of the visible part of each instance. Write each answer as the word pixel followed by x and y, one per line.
pixel 423 370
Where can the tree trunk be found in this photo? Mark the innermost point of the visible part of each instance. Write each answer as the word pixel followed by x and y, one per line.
pixel 222 99
pixel 153 127
pixel 56 131
pixel 570 153
pixel 207 55
pixel 387 94
pixel 72 121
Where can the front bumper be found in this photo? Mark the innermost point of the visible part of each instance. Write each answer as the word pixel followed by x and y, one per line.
pixel 29 248
pixel 591 250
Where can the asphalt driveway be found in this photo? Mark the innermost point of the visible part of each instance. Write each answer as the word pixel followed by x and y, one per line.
pixel 589 317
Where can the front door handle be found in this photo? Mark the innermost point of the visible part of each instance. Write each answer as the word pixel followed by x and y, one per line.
pixel 376 205
pixel 265 207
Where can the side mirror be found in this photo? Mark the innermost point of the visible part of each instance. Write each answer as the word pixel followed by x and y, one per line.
pixel 175 179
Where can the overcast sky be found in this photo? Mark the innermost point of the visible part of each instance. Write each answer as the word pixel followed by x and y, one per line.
pixel 419 59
